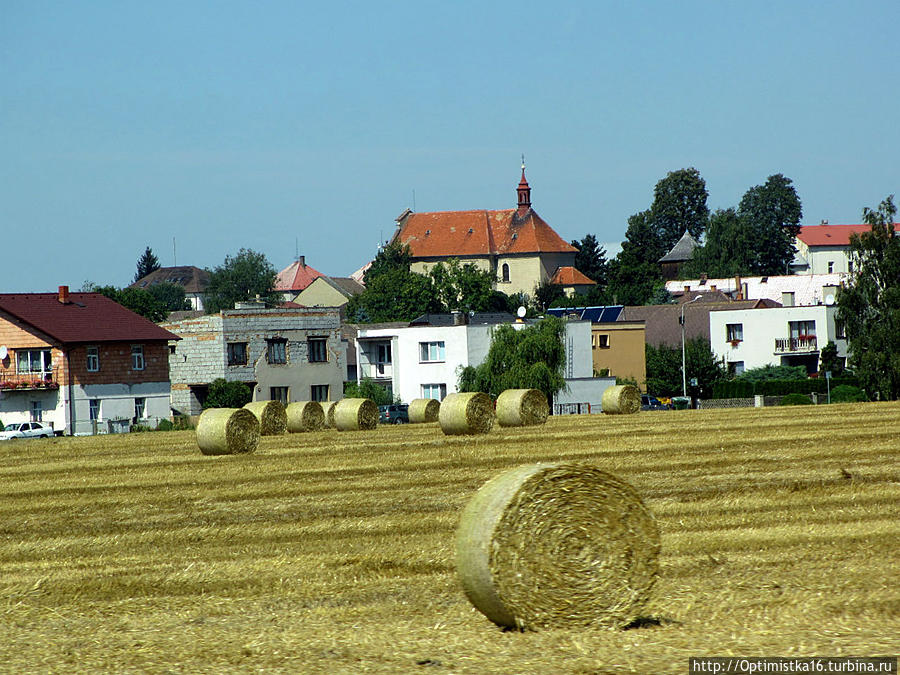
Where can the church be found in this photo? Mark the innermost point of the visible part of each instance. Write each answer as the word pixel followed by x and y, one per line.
pixel 515 245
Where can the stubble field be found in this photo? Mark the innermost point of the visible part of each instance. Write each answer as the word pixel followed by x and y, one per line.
pixel 333 552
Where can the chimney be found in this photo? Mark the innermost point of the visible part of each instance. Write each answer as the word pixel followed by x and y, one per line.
pixel 459 318
pixel 302 260
pixel 64 295
pixel 712 287
pixel 687 289
pixel 739 289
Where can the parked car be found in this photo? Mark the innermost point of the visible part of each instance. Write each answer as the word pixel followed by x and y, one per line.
pixel 26 430
pixel 652 403
pixel 396 413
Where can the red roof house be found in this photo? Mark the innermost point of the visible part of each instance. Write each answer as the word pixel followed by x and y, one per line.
pixel 295 277
pixel 825 249
pixel 81 362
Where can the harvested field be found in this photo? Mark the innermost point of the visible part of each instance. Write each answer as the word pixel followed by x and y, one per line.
pixel 318 553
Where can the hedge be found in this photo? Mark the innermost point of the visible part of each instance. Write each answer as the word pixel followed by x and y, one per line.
pixel 742 389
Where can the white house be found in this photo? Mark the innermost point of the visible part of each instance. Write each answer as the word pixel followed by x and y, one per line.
pixel 790 336
pixel 789 290
pixel 825 249
pixel 423 359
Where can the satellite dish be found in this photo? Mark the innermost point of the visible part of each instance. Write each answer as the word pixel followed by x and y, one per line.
pixel 521 312
pixel 829 300
pixel 4 352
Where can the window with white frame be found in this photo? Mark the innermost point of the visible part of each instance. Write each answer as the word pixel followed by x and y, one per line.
pixel 318 350
pixel 37 411
pixel 600 341
pixel 93 359
pixel 137 357
pixel 318 392
pixel 735 367
pixel 33 361
pixel 279 394
pixel 431 351
pixel 140 406
pixel 830 267
pixel 435 391
pixel 734 332
pixel 802 329
pixel 94 409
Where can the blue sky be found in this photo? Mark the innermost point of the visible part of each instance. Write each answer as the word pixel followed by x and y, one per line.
pixel 293 126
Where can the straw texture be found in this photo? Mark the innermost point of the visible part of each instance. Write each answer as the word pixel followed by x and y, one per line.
pixel 522 407
pixel 328 411
pixel 271 416
pixel 355 414
pixel 468 413
pixel 227 431
pixel 304 416
pixel 557 545
pixel 423 410
pixel 621 399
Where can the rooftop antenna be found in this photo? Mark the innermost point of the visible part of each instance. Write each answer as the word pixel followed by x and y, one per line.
pixel 296 248
pixel 174 254
pixel 414 200
pixel 523 161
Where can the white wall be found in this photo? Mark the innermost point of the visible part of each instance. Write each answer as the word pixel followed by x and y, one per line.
pixel 808 289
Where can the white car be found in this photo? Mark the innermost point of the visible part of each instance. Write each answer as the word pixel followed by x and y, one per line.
pixel 26 430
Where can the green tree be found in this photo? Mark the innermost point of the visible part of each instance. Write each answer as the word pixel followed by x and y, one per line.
pixel 393 291
pixel 547 295
pixel 170 296
pixel 240 278
pixel 679 204
pixel 634 274
pixel 830 361
pixel 137 300
pixel 591 259
pixel 368 388
pixel 463 287
pixel 772 213
pixel 770 372
pixel 664 368
pixel 530 358
pixel 146 264
pixel 870 307
pixel 225 394
pixel 727 250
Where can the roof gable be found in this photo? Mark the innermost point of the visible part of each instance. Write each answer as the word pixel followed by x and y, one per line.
pixel 475 233
pixel 682 250
pixel 569 276
pixel 193 279
pixel 86 317
pixel 829 235
pixel 296 276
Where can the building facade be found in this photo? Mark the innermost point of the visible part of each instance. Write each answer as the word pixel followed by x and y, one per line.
pixel 295 354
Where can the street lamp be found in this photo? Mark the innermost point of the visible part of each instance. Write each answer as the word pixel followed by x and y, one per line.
pixel 683 359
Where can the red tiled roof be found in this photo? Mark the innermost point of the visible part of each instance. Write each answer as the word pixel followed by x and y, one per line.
pixel 569 276
pixel 296 276
pixel 829 235
pixel 87 317
pixel 471 233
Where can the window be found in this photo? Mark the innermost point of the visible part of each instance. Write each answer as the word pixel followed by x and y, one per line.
pixel 237 353
pixel 600 341
pixel 140 405
pixel 839 330
pixel 37 411
pixel 93 359
pixel 830 267
pixel 787 299
pixel 505 270
pixel 137 357
pixel 278 394
pixel 734 332
pixel 94 404
pixel 435 391
pixel 33 361
pixel 850 267
pixel 431 351
pixel 276 351
pixel 318 392
pixel 318 350
pixel 802 329
pixel 735 367
pixel 384 354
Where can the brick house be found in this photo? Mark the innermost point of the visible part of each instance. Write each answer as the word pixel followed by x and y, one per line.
pixel 287 354
pixel 515 245
pixel 81 362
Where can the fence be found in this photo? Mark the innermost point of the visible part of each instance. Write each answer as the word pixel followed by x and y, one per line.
pixel 571 408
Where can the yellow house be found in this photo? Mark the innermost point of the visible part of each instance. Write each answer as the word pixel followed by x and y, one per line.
pixel 618 348
pixel 329 292
pixel 515 245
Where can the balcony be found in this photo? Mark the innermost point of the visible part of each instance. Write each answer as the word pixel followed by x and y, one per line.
pixel 377 371
pixel 29 381
pixel 804 344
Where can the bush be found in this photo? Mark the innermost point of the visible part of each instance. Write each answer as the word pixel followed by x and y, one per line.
pixel 796 399
pixel 224 394
pixel 846 393
pixel 137 428
pixel 182 423
pixel 165 425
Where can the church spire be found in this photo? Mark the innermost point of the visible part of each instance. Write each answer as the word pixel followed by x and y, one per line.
pixel 524 193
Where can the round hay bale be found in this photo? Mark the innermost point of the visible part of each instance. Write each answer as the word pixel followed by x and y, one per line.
pixel 328 411
pixel 550 545
pixel 355 414
pixel 621 399
pixel 522 407
pixel 227 431
pixel 271 415
pixel 423 410
pixel 468 413
pixel 304 416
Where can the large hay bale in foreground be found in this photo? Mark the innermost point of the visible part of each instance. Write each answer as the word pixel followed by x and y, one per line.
pixel 549 545
pixel 522 407
pixel 304 416
pixel 621 399
pixel 423 410
pixel 271 415
pixel 328 411
pixel 466 413
pixel 355 414
pixel 227 431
